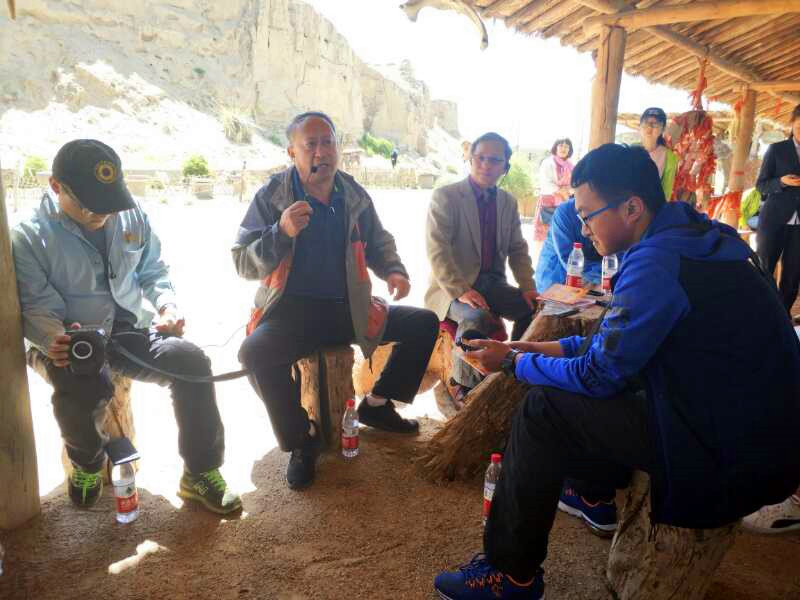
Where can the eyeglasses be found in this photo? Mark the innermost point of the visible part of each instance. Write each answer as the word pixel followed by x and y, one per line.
pixel 651 125
pixel 585 220
pixel 493 161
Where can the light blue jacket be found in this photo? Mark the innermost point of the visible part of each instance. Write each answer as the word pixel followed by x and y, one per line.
pixel 61 276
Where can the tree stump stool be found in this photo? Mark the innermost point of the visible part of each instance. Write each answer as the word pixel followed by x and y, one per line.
pixel 672 563
pixel 367 371
pixel 119 416
pixel 461 448
pixel 326 383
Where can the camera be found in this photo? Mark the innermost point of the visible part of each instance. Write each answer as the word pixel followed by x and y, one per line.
pixel 87 350
pixel 469 334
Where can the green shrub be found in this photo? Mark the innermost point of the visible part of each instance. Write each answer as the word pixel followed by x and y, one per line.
pixel 451 169
pixel 236 129
pixel 275 139
pixel 519 184
pixel 200 71
pixel 33 164
pixel 376 145
pixel 195 166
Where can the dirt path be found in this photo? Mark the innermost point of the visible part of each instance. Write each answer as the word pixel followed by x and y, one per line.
pixel 367 529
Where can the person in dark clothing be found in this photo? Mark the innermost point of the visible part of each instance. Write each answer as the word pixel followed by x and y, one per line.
pixel 778 233
pixel 309 236
pixel 394 158
pixel 693 376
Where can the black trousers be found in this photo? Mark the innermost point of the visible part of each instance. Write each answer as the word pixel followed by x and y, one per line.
pixel 555 435
pixel 505 301
pixel 299 325
pixel 79 401
pixel 782 243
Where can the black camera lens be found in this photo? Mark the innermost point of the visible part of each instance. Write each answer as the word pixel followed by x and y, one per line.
pixel 82 350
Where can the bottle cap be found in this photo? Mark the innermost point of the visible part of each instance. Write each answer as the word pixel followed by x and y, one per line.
pixel 351 403
pixel 497 457
pixel 577 245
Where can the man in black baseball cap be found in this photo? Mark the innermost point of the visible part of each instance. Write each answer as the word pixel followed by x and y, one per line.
pixel 93 173
pixel 89 257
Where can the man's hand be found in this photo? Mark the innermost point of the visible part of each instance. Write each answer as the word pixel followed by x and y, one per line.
pixel 489 356
pixel 295 218
pixel 474 299
pixel 530 297
pixel 58 350
pixel 398 285
pixel 170 321
pixel 791 180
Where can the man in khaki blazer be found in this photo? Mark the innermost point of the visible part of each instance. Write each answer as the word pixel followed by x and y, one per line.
pixel 472 229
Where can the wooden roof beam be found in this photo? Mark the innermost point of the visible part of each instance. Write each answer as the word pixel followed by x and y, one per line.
pixel 792 85
pixel 694 11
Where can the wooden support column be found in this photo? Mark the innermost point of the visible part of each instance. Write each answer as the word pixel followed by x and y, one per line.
pixel 605 88
pixel 19 479
pixel 741 151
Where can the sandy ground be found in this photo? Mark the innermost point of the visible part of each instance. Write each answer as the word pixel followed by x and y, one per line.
pixel 369 528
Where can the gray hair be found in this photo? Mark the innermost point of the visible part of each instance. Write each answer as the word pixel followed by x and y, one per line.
pixel 303 117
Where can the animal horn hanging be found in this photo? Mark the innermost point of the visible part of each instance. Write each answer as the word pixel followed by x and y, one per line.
pixel 412 8
pixel 702 83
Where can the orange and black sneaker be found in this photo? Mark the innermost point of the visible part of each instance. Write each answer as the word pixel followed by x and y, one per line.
pixel 84 488
pixel 478 580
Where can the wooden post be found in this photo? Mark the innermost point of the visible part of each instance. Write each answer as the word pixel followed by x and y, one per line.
pixel 326 383
pixel 605 88
pixel 741 151
pixel 19 479
pixel 664 562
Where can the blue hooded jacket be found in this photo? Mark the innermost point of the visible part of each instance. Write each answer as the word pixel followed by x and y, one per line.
pixel 706 335
pixel 565 230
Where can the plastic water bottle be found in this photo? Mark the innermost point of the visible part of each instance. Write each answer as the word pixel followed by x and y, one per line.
pixel 350 430
pixel 489 483
pixel 610 268
pixel 575 266
pixel 123 478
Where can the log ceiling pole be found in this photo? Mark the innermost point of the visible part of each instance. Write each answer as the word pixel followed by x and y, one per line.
pixel 777 86
pixel 726 65
pixel 12 9
pixel 605 87
pixel 694 11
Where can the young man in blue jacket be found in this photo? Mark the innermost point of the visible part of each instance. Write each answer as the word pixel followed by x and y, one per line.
pixel 88 256
pixel 693 376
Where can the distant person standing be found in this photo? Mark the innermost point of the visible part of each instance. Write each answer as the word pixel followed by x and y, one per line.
pixel 554 175
pixel 778 232
pixel 652 124
pixel 394 157
pixel 466 166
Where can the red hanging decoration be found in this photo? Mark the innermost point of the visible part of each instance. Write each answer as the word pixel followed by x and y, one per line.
pixel 696 95
pixel 778 106
pixel 695 149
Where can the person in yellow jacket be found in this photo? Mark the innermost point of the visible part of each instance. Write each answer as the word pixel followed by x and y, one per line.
pixel 651 127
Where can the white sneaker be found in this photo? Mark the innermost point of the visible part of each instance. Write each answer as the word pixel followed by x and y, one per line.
pixel 776 518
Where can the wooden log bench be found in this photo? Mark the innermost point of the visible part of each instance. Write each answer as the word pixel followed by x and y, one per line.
pixel 662 562
pixel 326 383
pixel 118 420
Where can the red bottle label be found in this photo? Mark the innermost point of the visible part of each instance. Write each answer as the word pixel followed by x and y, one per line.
pixel 349 442
pixel 128 504
pixel 574 281
pixel 607 284
pixel 487 505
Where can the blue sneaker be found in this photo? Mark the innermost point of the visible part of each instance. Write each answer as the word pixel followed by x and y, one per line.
pixel 477 580
pixel 600 517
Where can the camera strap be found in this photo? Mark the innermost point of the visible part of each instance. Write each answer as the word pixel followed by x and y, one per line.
pixel 120 349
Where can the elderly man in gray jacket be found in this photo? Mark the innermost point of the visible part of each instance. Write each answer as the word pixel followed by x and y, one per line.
pixel 473 228
pixel 309 236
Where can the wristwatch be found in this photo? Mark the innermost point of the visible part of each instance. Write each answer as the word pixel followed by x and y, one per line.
pixel 508 365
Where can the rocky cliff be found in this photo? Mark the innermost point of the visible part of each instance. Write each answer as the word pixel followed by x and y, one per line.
pixel 162 77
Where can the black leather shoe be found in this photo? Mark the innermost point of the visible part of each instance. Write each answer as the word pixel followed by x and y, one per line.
pixel 302 464
pixel 386 417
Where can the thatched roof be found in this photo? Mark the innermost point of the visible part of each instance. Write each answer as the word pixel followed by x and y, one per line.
pixel 746 41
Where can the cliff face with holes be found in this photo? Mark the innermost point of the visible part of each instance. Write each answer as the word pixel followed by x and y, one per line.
pixel 162 71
